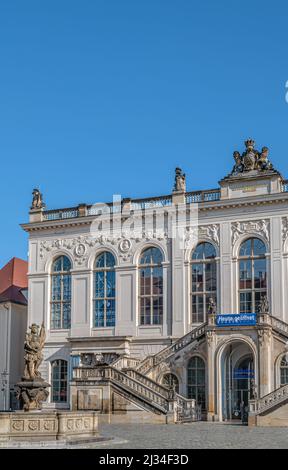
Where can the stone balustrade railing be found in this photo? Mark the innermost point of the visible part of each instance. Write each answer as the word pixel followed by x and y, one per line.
pixel 141 390
pixel 269 401
pixel 162 201
pixel 125 362
pixel 152 361
pixel 132 204
pixel 61 214
pixel 187 409
pixel 285 186
pixel 149 383
pixel 277 324
pixel 203 196
pixel 144 388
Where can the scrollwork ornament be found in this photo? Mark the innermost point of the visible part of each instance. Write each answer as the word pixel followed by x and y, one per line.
pixel 252 227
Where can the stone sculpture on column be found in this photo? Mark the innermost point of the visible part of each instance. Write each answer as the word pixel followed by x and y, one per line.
pixel 32 390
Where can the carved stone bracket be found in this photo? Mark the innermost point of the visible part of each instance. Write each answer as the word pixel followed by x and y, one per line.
pixel 284 230
pixel 254 226
pixel 210 337
pixel 264 336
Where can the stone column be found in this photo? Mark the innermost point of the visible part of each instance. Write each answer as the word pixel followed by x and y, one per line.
pixel 265 353
pixel 211 371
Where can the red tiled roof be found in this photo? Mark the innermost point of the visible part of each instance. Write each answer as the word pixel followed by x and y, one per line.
pixel 13 294
pixel 14 273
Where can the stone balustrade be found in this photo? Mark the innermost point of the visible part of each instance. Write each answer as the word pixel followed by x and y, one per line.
pixel 151 361
pixel 269 401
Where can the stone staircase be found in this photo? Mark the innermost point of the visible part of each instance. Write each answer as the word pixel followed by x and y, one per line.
pixel 142 391
pixel 150 362
pixel 270 410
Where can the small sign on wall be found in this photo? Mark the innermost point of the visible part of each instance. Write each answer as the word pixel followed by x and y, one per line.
pixel 234 319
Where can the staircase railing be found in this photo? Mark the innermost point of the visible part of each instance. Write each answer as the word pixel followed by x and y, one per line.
pixel 187 409
pixel 143 379
pixel 147 391
pixel 269 401
pixel 152 361
pixel 125 362
pixel 276 323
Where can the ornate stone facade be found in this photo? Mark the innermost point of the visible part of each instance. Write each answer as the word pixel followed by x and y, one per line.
pixel 250 203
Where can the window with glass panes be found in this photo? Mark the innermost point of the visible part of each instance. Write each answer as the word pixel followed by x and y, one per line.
pixel 61 293
pixel 151 287
pixel 104 290
pixel 252 275
pixel 196 381
pixel 204 280
pixel 284 371
pixel 59 381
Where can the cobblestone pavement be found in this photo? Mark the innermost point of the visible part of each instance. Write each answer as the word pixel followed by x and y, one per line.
pixel 194 436
pixel 179 436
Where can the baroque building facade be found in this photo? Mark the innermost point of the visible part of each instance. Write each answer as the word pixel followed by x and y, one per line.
pixel 183 293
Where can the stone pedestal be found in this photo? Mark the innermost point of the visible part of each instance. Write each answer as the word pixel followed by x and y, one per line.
pixel 32 392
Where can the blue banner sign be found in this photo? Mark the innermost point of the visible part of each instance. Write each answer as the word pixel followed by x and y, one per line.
pixel 241 319
pixel 243 374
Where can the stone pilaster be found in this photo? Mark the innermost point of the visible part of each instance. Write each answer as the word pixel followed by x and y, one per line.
pixel 265 352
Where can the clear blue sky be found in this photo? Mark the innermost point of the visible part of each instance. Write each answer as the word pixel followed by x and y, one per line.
pixel 108 96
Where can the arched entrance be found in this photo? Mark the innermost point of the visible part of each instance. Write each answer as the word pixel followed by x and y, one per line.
pixel 237 380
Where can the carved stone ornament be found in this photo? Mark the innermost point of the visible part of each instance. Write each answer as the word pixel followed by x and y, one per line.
pixel 193 234
pixel 80 250
pixel 251 159
pixel 210 336
pixel 264 336
pixel 125 245
pixel 254 227
pixel 284 230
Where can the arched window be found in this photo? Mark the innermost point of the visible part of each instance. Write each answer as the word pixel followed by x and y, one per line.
pixel 204 280
pixel 171 381
pixel 61 293
pixel 151 287
pixel 196 381
pixel 284 371
pixel 252 275
pixel 104 290
pixel 59 381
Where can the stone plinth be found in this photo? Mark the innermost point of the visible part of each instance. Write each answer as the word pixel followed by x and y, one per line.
pixel 51 425
pixel 32 393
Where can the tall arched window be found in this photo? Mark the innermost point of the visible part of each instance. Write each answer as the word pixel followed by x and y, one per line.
pixel 104 290
pixel 61 293
pixel 196 381
pixel 151 287
pixel 252 275
pixel 284 371
pixel 204 280
pixel 59 381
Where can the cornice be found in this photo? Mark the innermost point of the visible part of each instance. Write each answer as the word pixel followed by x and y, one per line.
pixel 224 204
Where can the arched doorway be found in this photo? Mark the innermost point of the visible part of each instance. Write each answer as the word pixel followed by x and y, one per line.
pixel 237 380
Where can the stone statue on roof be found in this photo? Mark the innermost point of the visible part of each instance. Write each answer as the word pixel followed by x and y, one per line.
pixel 180 181
pixel 37 201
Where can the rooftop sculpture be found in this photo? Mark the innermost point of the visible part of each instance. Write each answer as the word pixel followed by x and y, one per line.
pixel 251 159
